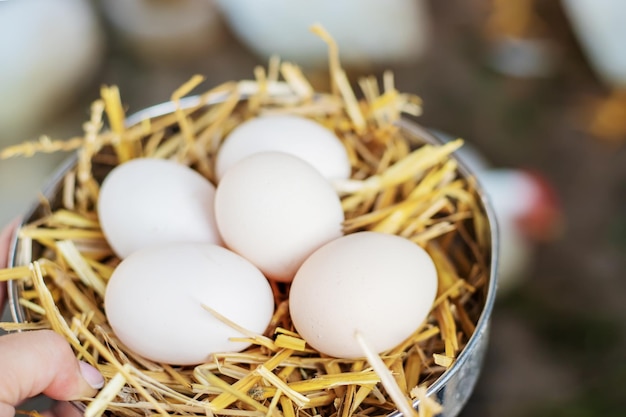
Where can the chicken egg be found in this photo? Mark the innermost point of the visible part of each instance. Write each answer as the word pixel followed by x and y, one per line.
pixel 275 209
pixel 154 301
pixel 148 201
pixel 295 135
pixel 380 285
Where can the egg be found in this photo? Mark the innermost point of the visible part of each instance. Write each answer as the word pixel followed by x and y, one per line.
pixel 148 201
pixel 295 135
pixel 275 209
pixel 154 301
pixel 380 285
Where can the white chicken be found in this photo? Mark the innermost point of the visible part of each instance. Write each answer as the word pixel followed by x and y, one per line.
pixel 526 210
pixel 600 26
pixel 367 31
pixel 50 52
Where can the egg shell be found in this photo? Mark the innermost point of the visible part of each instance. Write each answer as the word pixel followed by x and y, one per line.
pixel 148 201
pixel 380 285
pixel 154 299
pixel 295 135
pixel 275 209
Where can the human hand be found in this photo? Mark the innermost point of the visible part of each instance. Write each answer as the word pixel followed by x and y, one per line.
pixel 40 362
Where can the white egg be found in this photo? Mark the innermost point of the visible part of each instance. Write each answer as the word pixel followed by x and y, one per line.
pixel 149 201
pixel 295 135
pixel 275 209
pixel 381 285
pixel 154 301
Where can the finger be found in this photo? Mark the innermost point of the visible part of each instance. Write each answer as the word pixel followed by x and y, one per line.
pixel 42 362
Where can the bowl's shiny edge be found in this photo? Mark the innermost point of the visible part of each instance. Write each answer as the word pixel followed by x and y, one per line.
pixel 169 107
pixel 412 127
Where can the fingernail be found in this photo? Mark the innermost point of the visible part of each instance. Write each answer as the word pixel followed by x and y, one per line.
pixel 91 375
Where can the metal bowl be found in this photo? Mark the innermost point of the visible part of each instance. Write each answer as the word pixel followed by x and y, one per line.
pixel 452 389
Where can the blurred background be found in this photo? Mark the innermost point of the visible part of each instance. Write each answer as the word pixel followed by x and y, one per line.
pixel 536 88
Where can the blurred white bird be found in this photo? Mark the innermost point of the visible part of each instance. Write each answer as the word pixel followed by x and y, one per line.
pixel 366 31
pixel 51 50
pixel 526 209
pixel 600 26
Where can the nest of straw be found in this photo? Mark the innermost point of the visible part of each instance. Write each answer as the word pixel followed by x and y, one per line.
pixel 401 184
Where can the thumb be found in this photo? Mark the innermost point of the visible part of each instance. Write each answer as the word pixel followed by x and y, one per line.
pixel 36 362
